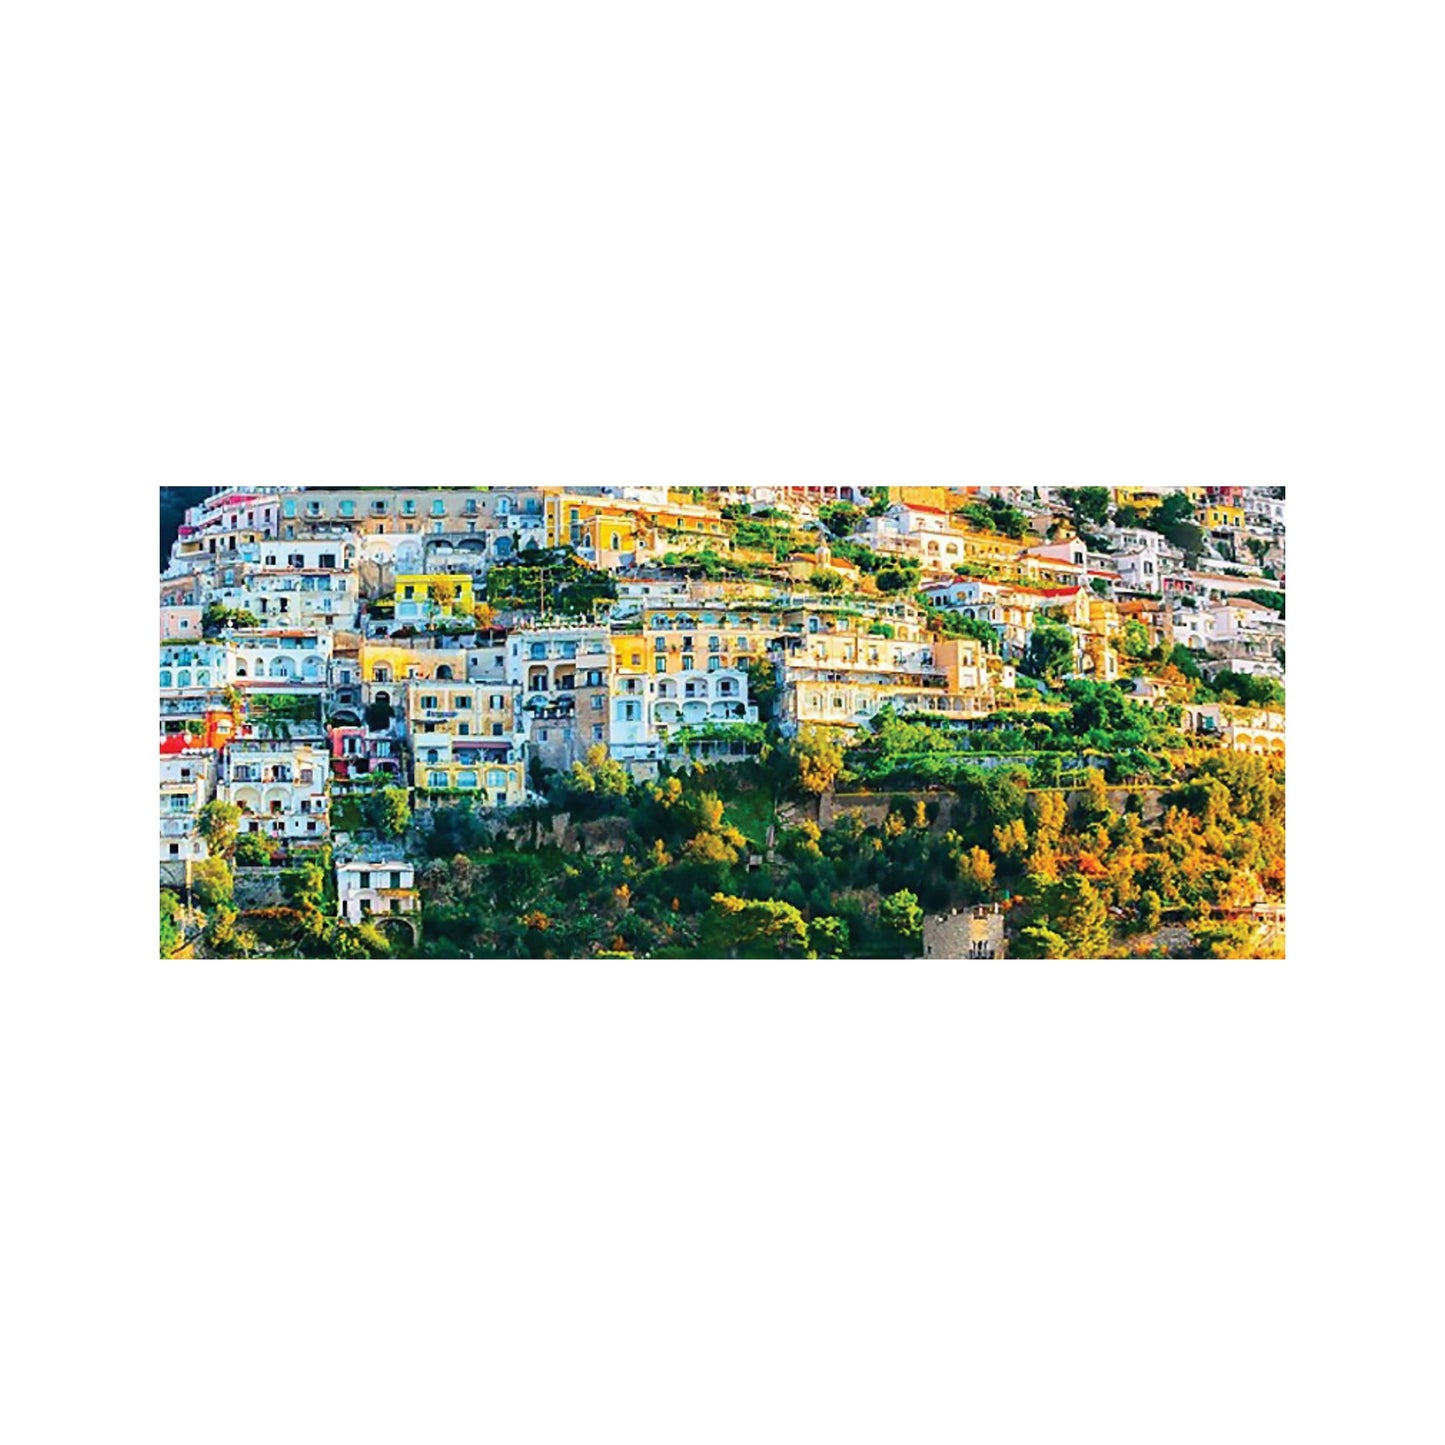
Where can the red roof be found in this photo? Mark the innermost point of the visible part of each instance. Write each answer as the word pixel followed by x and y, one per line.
pixel 932 511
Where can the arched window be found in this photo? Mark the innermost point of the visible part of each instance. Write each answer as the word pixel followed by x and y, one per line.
pixel 166 678
pixel 444 672
pixel 183 678
pixel 466 779
pixel 381 673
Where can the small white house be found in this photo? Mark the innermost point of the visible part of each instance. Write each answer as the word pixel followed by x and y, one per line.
pixel 367 888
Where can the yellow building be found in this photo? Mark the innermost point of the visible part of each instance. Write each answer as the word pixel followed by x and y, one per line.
pixel 390 663
pixel 1218 514
pixel 422 597
pixel 1141 499
pixel 608 539
pixel 946 499
pixel 463 741
pixel 843 669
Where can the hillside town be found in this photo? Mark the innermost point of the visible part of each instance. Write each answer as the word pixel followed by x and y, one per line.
pixel 786 721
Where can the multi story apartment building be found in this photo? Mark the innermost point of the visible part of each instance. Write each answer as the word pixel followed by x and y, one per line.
pixel 359 757
pixel 561 675
pixel 631 732
pixel 187 784
pixel 226 527
pixel 406 509
pixel 380 887
pixel 308 597
pixel 280 787
pixel 279 657
pixel 194 670
pixel 842 671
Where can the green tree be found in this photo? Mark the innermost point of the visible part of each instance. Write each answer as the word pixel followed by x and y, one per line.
pixel 752 928
pixel 1134 641
pixel 763 685
pixel 828 937
pixel 219 823
pixel 816 759
pixel 1151 910
pixel 211 880
pixel 170 924
pixel 252 851
pixel 305 885
pixel 1081 918
pixel 840 518
pixel 901 915
pixel 388 811
pixel 1037 941
pixel 1090 504
pixel 600 773
pixel 1050 652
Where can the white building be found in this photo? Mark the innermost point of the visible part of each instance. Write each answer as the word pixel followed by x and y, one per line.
pixel 376 888
pixel 280 787
pixel 187 784
pixel 194 670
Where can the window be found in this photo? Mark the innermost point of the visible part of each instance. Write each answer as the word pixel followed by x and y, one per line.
pixel 165 679
pixel 661 665
pixel 408 507
pixel 378 509
pixel 466 779
pixel 713 663
pixel 364 880
pixel 347 509
pixel 464 730
pixel 436 780
pixel 687 664
pixel 175 849
pixel 539 649
pixel 714 644
pixel 429 702
pixel 660 645
pixel 438 507
pixel 495 700
pixel 597 704
pixel 496 730
pixel 471 506
pixel 616 542
pixel 496 778
pixel 288 507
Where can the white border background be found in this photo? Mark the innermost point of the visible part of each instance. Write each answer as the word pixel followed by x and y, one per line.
pixel 678 1202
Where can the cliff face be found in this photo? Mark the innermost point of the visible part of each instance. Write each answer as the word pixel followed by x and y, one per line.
pixel 174 501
